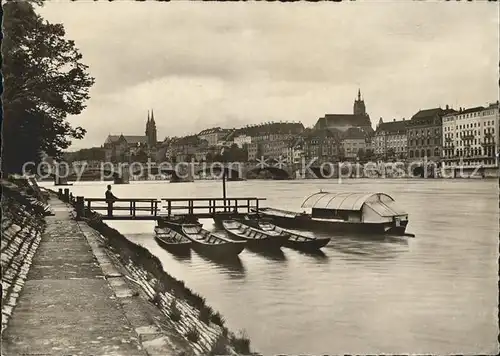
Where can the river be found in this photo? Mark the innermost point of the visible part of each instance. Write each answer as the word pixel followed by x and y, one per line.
pixel 436 293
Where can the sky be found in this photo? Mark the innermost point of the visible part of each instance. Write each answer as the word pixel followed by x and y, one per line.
pixel 202 65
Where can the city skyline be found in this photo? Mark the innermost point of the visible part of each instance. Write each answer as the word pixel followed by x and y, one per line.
pixel 250 65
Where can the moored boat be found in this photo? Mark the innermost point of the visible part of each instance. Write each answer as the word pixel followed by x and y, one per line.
pixel 172 241
pixel 255 237
pixel 209 243
pixel 296 241
pixel 369 213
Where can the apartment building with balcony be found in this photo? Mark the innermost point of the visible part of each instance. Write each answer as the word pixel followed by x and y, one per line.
pixel 470 137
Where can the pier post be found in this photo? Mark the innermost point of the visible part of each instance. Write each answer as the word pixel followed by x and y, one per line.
pixel 66 195
pixel 190 207
pixel 60 194
pixel 224 187
pixel 80 206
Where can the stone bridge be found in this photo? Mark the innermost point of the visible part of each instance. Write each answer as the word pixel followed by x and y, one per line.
pixel 186 171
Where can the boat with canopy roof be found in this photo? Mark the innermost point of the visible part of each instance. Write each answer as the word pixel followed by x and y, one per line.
pixel 370 213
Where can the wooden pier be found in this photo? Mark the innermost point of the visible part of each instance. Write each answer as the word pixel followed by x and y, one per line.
pixel 156 209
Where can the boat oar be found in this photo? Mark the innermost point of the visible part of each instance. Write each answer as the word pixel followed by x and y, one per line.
pixel 409 235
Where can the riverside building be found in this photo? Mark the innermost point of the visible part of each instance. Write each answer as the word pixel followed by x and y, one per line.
pixel 390 140
pixel 470 137
pixel 425 135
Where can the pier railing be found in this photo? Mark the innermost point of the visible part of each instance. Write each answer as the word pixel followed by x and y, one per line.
pixel 209 206
pixel 154 209
pixel 124 208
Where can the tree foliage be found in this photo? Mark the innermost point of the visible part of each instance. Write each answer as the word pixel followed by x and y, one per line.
pixel 140 156
pixel 86 154
pixel 44 81
pixel 232 154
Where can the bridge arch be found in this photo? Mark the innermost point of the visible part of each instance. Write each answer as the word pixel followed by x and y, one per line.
pixel 153 170
pixel 276 172
pixel 216 171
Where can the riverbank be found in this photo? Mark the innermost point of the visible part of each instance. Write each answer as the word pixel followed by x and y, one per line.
pixel 89 294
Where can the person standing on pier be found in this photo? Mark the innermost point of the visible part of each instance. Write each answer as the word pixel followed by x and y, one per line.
pixel 110 198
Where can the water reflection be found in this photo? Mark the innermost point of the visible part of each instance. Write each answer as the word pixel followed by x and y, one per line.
pixel 181 257
pixel 369 247
pixel 318 255
pixel 272 254
pixel 233 267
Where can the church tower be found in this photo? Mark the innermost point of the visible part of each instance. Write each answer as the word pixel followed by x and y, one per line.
pixel 151 133
pixel 148 124
pixel 359 105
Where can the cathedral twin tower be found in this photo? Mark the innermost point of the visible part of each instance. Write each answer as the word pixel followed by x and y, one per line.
pixel 151 130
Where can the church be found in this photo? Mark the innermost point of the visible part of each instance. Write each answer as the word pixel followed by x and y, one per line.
pixel 122 147
pixel 342 122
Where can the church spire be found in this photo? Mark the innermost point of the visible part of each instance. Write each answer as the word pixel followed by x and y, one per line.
pixel 359 105
pixel 147 125
pixel 151 130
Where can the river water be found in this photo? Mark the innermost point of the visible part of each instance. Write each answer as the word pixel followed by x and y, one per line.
pixel 434 294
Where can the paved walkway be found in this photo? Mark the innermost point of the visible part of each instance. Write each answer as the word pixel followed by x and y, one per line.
pixel 67 307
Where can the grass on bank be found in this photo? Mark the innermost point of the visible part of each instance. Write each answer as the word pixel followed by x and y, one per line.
pixel 174 312
pixel 193 334
pixel 206 314
pixel 240 342
pixel 218 319
pixel 220 347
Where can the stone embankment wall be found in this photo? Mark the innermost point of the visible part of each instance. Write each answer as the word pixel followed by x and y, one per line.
pixel 196 321
pixel 22 229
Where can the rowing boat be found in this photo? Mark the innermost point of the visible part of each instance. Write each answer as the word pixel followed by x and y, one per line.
pixel 253 236
pixel 172 241
pixel 296 241
pixel 209 243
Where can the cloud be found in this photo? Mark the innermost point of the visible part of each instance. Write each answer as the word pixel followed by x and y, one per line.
pixel 200 65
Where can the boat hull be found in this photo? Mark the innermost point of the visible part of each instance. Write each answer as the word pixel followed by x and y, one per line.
pixel 183 248
pixel 220 251
pixel 295 241
pixel 310 245
pixel 304 223
pixel 267 243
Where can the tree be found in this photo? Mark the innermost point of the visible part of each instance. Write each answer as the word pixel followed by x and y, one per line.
pixel 140 156
pixel 89 154
pixel 390 153
pixel 44 81
pixel 369 154
pixel 361 154
pixel 341 153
